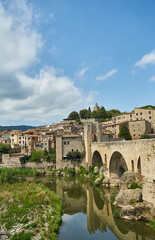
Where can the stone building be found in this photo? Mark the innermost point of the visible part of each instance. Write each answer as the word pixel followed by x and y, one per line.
pixel 138 114
pixel 96 108
pixel 67 143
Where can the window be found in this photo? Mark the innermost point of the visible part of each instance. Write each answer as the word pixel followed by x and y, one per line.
pixel 149 112
pixel 136 114
pixel 68 142
pixel 150 117
pixel 72 150
pixel 137 119
pixel 141 118
pixel 141 113
pixel 64 143
pixel 77 150
pixel 19 141
pixel 131 115
pixel 134 130
pixel 134 135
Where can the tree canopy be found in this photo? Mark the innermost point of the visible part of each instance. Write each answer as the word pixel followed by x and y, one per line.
pixel 101 114
pixel 124 132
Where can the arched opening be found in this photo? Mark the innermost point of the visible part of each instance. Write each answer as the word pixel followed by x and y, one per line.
pixel 105 159
pixel 97 159
pixel 132 165
pixel 139 166
pixel 98 200
pixel 117 165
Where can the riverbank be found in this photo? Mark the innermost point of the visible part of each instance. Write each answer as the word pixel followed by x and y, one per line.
pixel 28 210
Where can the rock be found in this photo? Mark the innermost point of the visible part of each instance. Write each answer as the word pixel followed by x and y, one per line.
pixel 57 173
pixel 137 212
pixel 97 180
pixel 61 174
pixel 101 171
pixel 106 182
pixel 127 178
pixel 125 197
pixel 96 169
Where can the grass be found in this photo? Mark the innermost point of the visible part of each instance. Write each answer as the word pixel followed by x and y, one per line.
pixel 112 197
pixel 152 224
pixel 31 210
pixel 134 185
pixel 11 175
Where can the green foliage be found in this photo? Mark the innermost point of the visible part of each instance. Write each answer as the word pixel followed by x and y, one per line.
pixel 37 155
pixel 112 197
pixel 4 148
pixel 152 224
pixel 134 185
pixel 70 171
pixel 75 155
pixel 11 175
pixel 73 115
pixel 132 202
pixel 148 106
pixel 145 136
pixel 22 236
pixel 101 114
pixel 82 171
pixel 79 121
pixel 124 132
pixel 30 203
pixel 85 113
pixel 113 112
pixel 116 213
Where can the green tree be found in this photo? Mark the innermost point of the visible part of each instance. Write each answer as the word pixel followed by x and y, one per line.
pixel 73 115
pixel 4 148
pixel 113 112
pixel 145 136
pixel 124 132
pixel 84 114
pixel 100 114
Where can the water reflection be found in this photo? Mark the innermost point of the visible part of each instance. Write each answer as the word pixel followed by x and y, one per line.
pixel 89 214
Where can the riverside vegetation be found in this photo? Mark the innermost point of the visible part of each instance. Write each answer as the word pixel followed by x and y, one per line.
pixel 28 210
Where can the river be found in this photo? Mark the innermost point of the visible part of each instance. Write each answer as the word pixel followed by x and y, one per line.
pixel 89 213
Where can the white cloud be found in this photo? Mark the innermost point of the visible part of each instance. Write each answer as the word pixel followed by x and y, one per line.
pixel 152 79
pixel 82 72
pixel 46 96
pixel 109 74
pixel 19 42
pixel 146 59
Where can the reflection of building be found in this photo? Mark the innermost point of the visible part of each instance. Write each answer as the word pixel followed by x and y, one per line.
pixel 97 205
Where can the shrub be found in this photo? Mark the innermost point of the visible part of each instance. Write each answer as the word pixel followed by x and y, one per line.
pixel 134 185
pixel 82 171
pixel 152 224
pixel 75 155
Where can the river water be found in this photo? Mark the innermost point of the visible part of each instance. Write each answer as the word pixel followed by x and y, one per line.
pixel 89 214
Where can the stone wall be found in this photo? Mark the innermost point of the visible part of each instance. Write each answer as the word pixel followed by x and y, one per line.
pixel 139 156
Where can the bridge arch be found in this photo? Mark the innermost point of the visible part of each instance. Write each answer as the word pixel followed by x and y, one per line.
pixel 139 168
pixel 97 159
pixel 117 165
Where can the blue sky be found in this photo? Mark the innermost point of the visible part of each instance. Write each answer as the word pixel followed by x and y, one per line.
pixel 60 56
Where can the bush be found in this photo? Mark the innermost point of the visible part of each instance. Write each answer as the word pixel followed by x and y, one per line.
pixel 152 224
pixel 82 171
pixel 4 148
pixel 134 185
pixel 75 155
pixel 70 171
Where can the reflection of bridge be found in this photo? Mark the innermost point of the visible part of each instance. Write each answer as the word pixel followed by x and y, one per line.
pixel 136 156
pixel 96 204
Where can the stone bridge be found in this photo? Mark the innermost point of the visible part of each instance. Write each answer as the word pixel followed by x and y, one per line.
pixel 136 156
